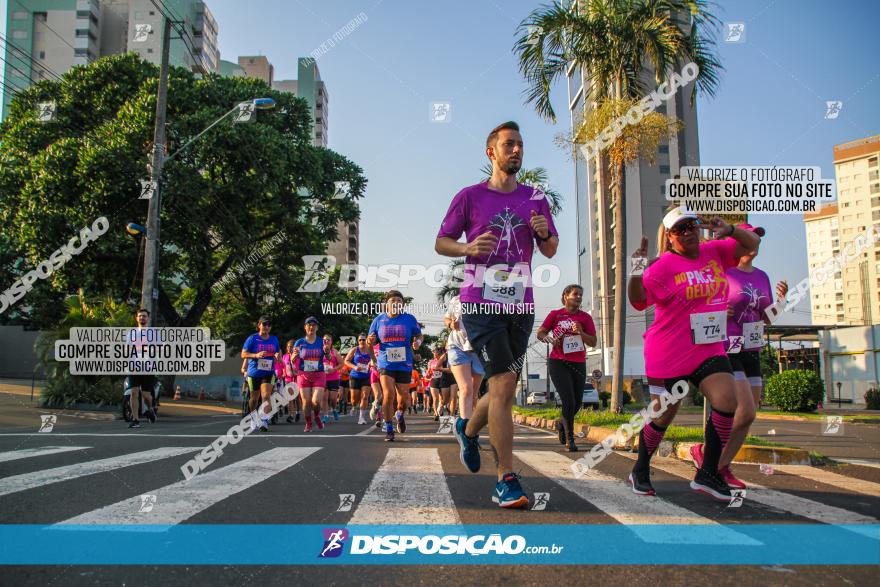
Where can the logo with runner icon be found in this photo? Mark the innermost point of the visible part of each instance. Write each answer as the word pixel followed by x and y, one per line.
pixel 346 500
pixel 334 541
pixel 148 501
pixel 47 422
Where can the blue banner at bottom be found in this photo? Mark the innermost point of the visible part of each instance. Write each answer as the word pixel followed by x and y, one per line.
pixel 195 544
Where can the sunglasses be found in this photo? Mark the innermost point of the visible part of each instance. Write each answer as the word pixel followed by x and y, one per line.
pixel 684 227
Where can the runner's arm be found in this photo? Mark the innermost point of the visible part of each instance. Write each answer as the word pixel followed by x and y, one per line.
pixel 548 247
pixel 348 360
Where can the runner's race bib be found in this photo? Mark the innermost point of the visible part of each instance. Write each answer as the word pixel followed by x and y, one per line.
pixel 310 365
pixel 572 344
pixel 735 344
pixel 753 333
pixel 264 364
pixel 396 354
pixel 362 368
pixel 503 290
pixel 709 327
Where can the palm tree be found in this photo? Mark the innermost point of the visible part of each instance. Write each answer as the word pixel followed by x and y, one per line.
pixel 613 41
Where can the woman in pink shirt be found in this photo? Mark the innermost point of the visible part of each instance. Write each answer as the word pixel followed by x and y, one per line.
pixel 569 330
pixel 688 287
pixel 289 376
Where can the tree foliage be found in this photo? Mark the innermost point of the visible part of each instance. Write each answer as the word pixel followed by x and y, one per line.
pixel 237 188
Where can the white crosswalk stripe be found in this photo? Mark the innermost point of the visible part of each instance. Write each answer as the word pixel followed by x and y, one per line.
pixel 409 488
pixel 26 453
pixel 833 479
pixel 614 498
pixel 180 501
pixel 66 473
pixel 788 502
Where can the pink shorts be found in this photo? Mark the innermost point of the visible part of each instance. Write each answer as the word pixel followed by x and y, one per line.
pixel 374 376
pixel 313 379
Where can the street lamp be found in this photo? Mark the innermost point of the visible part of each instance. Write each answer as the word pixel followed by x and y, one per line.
pixel 149 291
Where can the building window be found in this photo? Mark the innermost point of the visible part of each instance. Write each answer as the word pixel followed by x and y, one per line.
pixel 664 169
pixel 873 175
pixel 875 188
pixel 149 50
pixel 663 149
pixel 872 162
pixel 23 16
pixel 19 34
pixel 42 54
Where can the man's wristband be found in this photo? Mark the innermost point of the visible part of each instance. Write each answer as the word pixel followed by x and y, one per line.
pixel 732 230
pixel 543 240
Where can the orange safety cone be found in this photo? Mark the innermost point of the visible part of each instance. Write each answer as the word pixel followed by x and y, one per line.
pixel 177 393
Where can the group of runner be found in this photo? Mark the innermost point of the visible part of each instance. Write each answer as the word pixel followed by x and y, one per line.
pixel 697 289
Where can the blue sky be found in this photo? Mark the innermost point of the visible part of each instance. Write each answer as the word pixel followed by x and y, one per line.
pixel 383 77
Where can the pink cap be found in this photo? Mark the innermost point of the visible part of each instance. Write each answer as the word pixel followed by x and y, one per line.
pixel 759 230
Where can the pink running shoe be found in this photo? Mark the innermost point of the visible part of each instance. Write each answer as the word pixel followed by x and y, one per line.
pixel 697 455
pixel 319 424
pixel 728 477
pixel 308 427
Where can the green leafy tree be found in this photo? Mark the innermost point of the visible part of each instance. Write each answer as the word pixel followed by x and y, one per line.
pixel 239 188
pixel 613 41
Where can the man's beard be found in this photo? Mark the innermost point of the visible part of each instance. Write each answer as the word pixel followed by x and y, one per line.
pixel 511 166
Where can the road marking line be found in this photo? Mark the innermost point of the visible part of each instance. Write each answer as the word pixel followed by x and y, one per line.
pixel 615 498
pixel 409 488
pixel 66 473
pixel 27 453
pixel 312 436
pixel 833 479
pixel 788 502
pixel 180 501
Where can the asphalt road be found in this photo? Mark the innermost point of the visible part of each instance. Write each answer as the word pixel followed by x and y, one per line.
pixel 96 472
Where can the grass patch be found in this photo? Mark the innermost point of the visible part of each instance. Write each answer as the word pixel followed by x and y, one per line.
pixel 603 418
pixel 695 434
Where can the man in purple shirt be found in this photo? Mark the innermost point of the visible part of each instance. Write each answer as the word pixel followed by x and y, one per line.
pixel 502 221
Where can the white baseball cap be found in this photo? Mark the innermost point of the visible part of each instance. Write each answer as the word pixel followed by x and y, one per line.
pixel 676 215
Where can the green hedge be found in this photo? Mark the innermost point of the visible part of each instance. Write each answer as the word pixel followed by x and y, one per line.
pixel 796 390
pixel 872 399
pixel 68 390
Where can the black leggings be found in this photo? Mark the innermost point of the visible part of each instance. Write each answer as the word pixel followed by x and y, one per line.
pixel 569 379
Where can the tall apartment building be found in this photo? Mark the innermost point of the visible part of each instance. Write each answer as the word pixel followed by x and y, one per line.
pixel 47 37
pixel 644 190
pixel 257 66
pixel 823 241
pixel 852 297
pixel 312 89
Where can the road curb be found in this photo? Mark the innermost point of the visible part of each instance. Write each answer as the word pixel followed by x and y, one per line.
pixel 748 454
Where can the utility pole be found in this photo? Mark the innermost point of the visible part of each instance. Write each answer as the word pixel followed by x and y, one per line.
pixel 150 286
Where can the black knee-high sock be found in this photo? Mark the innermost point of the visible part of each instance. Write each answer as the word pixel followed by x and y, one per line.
pixel 717 433
pixel 649 440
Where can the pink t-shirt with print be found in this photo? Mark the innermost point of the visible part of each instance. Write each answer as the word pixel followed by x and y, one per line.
pixel 679 287
pixel 559 324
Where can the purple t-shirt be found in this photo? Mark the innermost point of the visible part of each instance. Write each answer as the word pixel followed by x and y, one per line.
pixel 477 209
pixel 748 294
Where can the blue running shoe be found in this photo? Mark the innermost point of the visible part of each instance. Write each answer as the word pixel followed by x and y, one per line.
pixel 401 423
pixel 335 416
pixel 509 493
pixel 470 446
